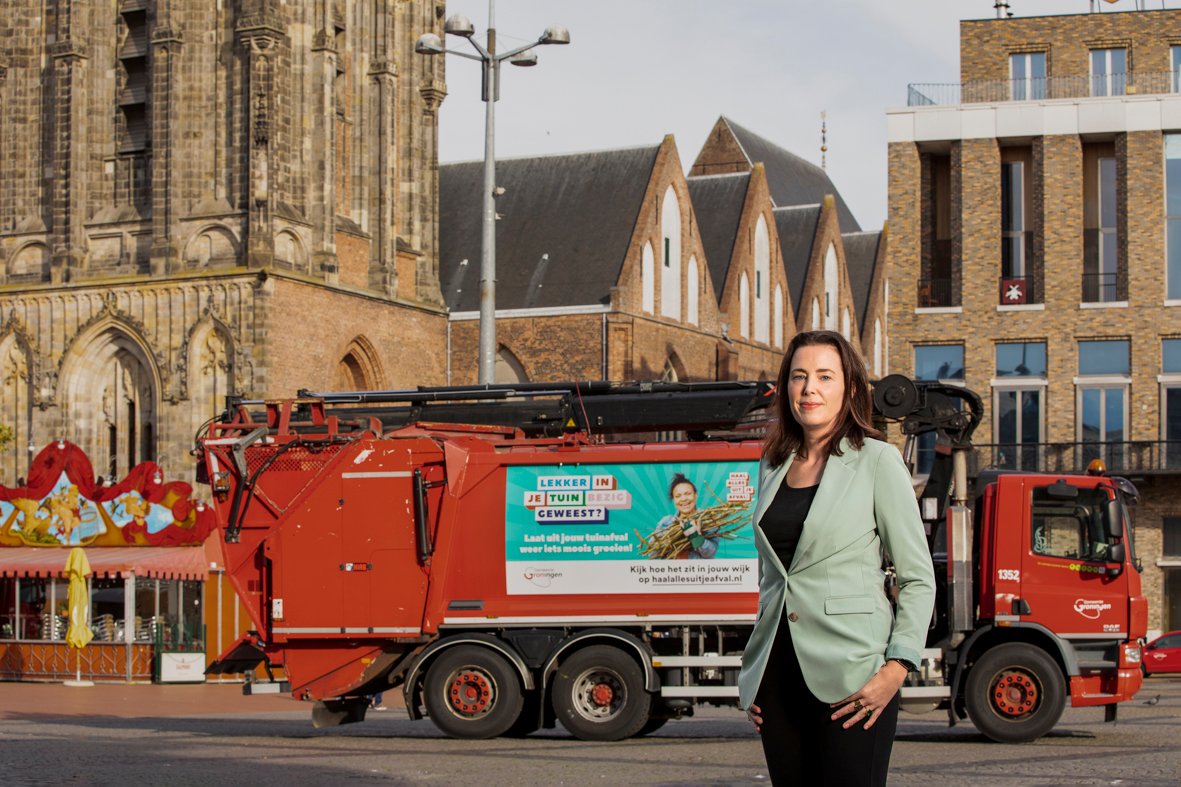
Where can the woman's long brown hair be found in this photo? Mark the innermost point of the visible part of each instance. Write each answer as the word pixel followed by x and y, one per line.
pixel 855 419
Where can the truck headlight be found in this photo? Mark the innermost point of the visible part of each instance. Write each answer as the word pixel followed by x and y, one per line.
pixel 1132 654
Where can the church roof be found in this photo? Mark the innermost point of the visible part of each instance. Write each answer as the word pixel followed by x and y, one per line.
pixel 861 251
pixel 566 222
pixel 791 179
pixel 717 204
pixel 797 234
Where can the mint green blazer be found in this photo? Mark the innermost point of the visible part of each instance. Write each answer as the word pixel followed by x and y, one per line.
pixel 842 625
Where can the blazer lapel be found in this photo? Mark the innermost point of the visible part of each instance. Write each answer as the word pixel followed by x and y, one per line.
pixel 819 532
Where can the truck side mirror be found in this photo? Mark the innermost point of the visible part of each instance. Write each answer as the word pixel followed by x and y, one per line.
pixel 1115 557
pixel 1113 513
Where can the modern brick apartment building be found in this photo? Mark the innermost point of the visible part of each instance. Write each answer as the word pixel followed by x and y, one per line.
pixel 209 198
pixel 1035 253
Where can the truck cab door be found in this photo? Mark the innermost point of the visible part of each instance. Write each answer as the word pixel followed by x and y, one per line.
pixel 1069 581
pixel 383 584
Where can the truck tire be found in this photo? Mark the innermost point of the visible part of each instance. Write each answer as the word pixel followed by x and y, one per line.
pixel 472 692
pixel 1015 693
pixel 651 726
pixel 599 695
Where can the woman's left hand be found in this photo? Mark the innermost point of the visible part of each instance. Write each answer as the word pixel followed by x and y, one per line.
pixel 867 702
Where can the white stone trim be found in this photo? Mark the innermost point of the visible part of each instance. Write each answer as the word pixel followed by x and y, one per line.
pixel 1021 307
pixel 1100 115
pixel 1102 380
pixel 552 311
pixel 939 310
pixel 1104 305
pixel 1019 382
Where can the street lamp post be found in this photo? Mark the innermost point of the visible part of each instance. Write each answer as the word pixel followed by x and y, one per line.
pixel 431 44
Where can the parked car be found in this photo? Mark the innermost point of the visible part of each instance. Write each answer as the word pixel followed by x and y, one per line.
pixel 1163 654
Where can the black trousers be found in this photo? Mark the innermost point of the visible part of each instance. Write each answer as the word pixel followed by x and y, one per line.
pixel 802 744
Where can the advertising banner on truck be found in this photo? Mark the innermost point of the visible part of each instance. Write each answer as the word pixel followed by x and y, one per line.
pixel 631 528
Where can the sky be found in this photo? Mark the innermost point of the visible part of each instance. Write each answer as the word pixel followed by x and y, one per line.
pixel 638 70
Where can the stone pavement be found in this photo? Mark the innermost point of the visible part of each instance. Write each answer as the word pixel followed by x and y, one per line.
pixel 121 700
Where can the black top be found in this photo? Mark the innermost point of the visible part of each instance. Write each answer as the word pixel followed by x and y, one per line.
pixel 783 521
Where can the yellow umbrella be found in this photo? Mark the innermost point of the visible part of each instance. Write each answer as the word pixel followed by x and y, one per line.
pixel 79 634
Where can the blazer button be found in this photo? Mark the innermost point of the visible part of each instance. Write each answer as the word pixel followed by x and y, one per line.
pixel 793 617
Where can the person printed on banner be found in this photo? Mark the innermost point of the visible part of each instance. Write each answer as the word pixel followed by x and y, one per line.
pixel 684 522
pixel 827 656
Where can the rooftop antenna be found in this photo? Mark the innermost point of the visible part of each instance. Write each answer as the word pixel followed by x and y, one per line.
pixel 824 140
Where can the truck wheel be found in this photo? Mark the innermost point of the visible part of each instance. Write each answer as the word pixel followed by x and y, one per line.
pixel 1016 693
pixel 472 692
pixel 599 695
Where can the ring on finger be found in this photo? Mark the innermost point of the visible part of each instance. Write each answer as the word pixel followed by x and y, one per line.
pixel 857 706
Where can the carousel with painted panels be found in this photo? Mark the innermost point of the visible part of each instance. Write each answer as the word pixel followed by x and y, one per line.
pixel 149 552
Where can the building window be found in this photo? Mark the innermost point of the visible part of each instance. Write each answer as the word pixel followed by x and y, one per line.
pixel 692 286
pixel 877 347
pixel 1101 244
pixel 670 279
pixel 1171 401
pixel 647 280
pixel 1171 537
pixel 831 288
pixel 1173 213
pixel 1104 368
pixel 939 362
pixel 1109 71
pixel 942 362
pixel 744 306
pixel 1018 404
pixel 1013 219
pixel 1176 58
pixel 1027 70
pixel 778 306
pixel 1171 571
pixel 762 330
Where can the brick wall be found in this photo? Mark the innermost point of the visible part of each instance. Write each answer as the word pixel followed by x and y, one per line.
pixel 985 45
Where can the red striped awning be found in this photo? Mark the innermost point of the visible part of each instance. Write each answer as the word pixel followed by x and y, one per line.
pixel 154 562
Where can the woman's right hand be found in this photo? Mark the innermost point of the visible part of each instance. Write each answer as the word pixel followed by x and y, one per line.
pixel 755 714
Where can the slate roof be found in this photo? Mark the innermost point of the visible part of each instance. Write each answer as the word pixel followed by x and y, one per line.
pixel 797 234
pixel 717 204
pixel 566 222
pixel 791 179
pixel 861 251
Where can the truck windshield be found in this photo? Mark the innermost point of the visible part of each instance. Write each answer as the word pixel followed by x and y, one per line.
pixel 1070 528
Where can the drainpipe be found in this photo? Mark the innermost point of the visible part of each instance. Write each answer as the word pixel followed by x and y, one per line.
pixel 603 352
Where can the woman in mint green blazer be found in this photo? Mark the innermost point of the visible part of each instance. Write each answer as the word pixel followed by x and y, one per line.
pixel 828 652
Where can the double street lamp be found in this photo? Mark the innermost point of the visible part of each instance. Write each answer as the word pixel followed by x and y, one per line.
pixel 431 44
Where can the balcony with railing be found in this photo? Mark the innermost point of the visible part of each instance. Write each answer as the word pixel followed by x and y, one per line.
pixel 979 91
pixel 1100 283
pixel 1121 458
pixel 935 293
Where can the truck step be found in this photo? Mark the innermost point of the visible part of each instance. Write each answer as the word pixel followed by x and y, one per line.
pixel 266 687
pixel 699 691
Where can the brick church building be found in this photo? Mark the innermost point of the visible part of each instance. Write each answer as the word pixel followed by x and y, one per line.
pixel 202 199
pixel 617 265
